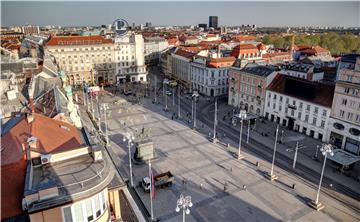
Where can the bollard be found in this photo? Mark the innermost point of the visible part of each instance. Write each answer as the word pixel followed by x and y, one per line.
pixel 244 187
pixel 293 186
pixel 257 164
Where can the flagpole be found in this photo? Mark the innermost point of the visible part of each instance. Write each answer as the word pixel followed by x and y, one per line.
pixel 151 192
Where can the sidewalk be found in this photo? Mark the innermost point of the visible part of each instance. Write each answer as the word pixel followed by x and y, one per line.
pixel 305 153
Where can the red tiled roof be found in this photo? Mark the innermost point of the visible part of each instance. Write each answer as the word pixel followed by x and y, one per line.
pixel 184 53
pixel 53 136
pixel 244 49
pixel 78 40
pixel 314 50
pixel 244 38
pixel 221 62
pixel 261 46
pixel 275 54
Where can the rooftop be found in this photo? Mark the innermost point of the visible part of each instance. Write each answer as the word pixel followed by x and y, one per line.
pixel 259 70
pixel 78 40
pixel 314 92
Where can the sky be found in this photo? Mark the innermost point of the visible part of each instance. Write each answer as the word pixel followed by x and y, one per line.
pixel 181 13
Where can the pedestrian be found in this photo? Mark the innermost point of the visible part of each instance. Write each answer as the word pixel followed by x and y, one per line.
pixel 244 187
pixel 225 186
pixel 201 185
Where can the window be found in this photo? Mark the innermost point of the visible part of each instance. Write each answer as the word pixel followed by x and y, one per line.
pixel 301 105
pixel 287 100
pixel 275 97
pixel 350 116
pixel 357 118
pixel 87 210
pixel 314 121
pixel 306 118
pixel 299 115
pixel 341 113
pixel 324 112
pixel 322 123
pixel 281 98
pixel 308 107
pixel 316 110
pixel 344 102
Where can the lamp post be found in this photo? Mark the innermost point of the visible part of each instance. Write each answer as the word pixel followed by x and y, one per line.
pixel 215 122
pixel 105 107
pixel 248 132
pixel 185 204
pixel 179 113
pixel 173 95
pixel 164 86
pixel 325 149
pixel 272 176
pixel 99 113
pixel 151 192
pixel 195 95
pixel 155 89
pixel 130 140
pixel 242 116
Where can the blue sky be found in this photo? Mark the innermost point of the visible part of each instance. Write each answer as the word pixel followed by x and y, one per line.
pixel 182 13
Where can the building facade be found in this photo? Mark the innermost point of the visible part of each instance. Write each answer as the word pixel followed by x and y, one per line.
pixel 181 66
pixel 247 87
pixel 344 125
pixel 153 47
pixel 129 59
pixel 301 105
pixel 213 22
pixel 210 76
pixel 87 59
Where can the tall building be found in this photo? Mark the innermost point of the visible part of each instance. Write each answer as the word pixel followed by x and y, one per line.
pixel 148 24
pixel 153 47
pixel 344 124
pixel 87 59
pixel 204 26
pixel 30 29
pixel 247 87
pixel 299 104
pixel 213 22
pixel 129 58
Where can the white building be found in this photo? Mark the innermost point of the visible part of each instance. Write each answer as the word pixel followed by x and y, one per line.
pixel 181 66
pixel 299 104
pixel 129 58
pixel 344 125
pixel 153 47
pixel 209 76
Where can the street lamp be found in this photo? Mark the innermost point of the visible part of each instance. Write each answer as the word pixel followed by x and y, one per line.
pixel 105 107
pixel 215 122
pixel 185 204
pixel 325 149
pixel 178 89
pixel 195 96
pixel 165 82
pixel 129 138
pixel 242 116
pixel 272 176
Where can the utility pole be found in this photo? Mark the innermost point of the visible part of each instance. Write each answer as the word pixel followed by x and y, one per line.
pixel 99 113
pixel 215 121
pixel 151 192
pixel 155 89
pixel 92 107
pixel 271 176
pixel 105 120
pixel 178 102
pixel 173 95
pixel 248 132
pixel 295 155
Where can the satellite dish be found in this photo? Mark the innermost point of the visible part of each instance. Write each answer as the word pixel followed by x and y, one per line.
pixel 120 26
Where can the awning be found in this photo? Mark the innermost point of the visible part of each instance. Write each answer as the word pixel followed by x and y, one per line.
pixel 344 158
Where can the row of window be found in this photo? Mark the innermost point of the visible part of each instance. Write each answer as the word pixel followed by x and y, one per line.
pixel 83 49
pixel 87 210
pixel 349 116
pixel 351 91
pixel 350 103
pixel 212 73
pixel 296 104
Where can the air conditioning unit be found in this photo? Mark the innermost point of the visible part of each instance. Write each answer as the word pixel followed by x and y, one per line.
pixel 45 159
